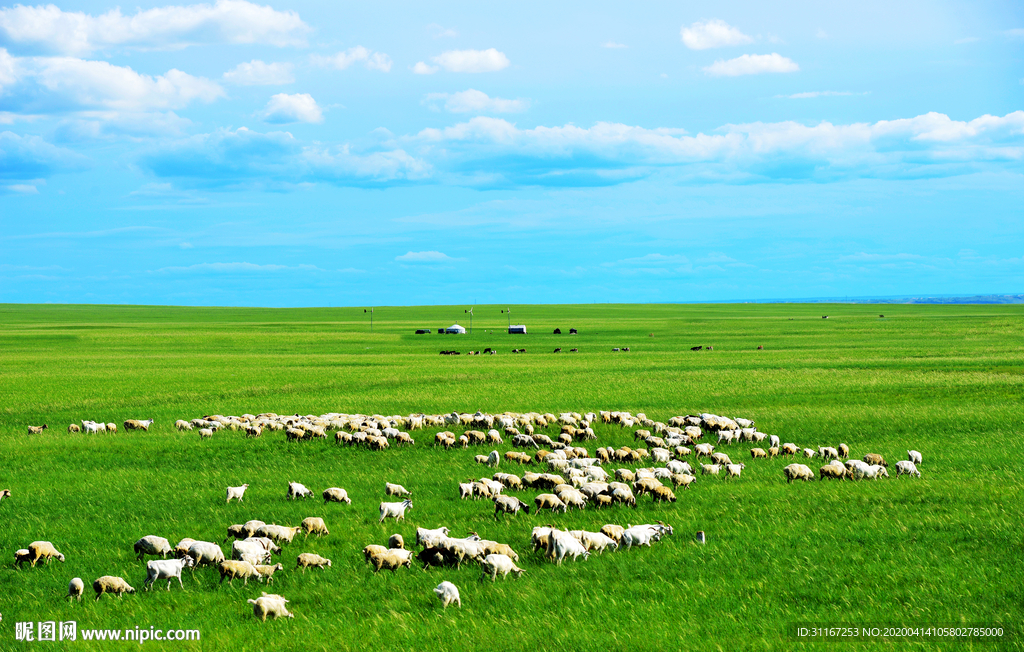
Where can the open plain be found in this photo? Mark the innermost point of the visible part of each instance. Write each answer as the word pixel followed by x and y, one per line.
pixel 943 548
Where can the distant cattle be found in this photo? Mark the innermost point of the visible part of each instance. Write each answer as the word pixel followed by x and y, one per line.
pixel 558 350
pixel 696 348
pixel 558 331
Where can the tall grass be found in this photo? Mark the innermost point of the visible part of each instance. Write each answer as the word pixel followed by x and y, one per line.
pixel 943 548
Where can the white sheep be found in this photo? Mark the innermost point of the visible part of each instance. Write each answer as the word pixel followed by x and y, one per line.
pixel 448 593
pixel 497 563
pixel 307 559
pixel 152 545
pixel 158 569
pixel 914 457
pixel 296 490
pixel 75 589
pixel 206 553
pixel 561 544
pixel 111 584
pixel 396 490
pixel 906 467
pixel 270 605
pixel 236 492
pixel 394 510
pixel 336 495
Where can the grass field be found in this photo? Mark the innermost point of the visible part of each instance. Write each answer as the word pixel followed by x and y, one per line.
pixel 945 548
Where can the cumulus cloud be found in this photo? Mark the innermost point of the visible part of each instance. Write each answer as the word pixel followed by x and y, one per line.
pixel 489 60
pixel 342 60
pixel 258 73
pixel 424 257
pixel 299 107
pixel 67 84
pixel 714 33
pixel 474 101
pixel 49 29
pixel 751 64
pixel 239 157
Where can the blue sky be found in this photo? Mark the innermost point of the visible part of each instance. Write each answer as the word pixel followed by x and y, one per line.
pixel 305 153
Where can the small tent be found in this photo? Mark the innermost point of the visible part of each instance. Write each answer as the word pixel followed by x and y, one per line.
pixel 455 329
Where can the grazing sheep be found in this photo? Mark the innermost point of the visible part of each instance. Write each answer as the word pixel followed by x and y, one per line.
pixel 550 501
pixel 448 593
pixel 5 493
pixel 831 471
pixel 906 467
pixel 758 452
pixel 873 458
pixel 314 525
pixel 643 535
pixel 509 505
pixel 74 427
pixel 138 424
pixel 828 453
pixel 395 490
pixel 152 545
pixel 111 584
pixel 808 452
pixel 43 550
pixel 270 605
pixel 798 472
pixel 265 542
pixel 21 556
pixel 710 469
pixel 561 544
pixel 37 430
pixel 396 541
pixel 390 560
pixel 167 569
pixel 914 457
pixel 307 559
pixel 623 494
pixel 297 490
pixel 75 589
pixel 498 563
pixel 206 553
pixel 253 552
pixel 205 433
pixel 734 470
pixel 336 495
pixel 683 480
pixel 773 451
pixel 613 532
pixel 394 510
pixel 236 492
pixel 250 527
pixel 844 451
pixel 268 571
pixel 181 424
pixel 663 494
pixel 873 472
pixel 430 538
pixel 112 427
pixel 434 556
pixel 181 549
pixel 789 449
pixel 278 533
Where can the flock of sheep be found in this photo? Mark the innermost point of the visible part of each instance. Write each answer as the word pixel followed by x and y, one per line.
pixel 574 478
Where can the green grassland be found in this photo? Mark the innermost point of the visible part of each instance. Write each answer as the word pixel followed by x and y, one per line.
pixel 945 548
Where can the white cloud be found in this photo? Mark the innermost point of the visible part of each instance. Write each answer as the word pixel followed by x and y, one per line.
pixel 423 69
pixel 474 101
pixel 68 84
pixel 257 73
pixel 712 34
pixel 966 40
pixel 751 64
pixel 438 31
pixel 23 189
pixel 299 107
pixel 50 29
pixel 342 60
pixel 424 257
pixel 614 46
pixel 489 60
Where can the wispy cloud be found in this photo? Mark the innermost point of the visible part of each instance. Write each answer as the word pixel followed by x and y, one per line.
pixel 714 33
pixel 472 61
pixel 258 73
pixel 235 268
pixel 342 60
pixel 425 257
pixel 474 101
pixel 612 45
pixel 964 41
pixel 752 64
pixel 50 29
pixel 439 31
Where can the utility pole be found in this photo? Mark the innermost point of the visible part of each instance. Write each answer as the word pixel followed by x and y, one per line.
pixel 371 318
pixel 509 313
